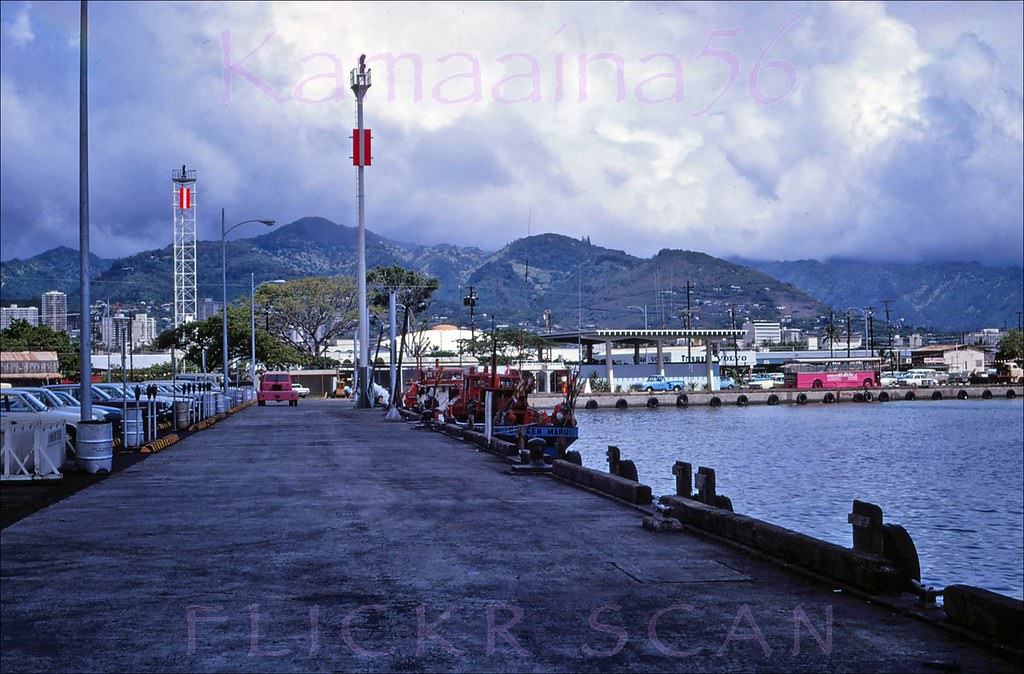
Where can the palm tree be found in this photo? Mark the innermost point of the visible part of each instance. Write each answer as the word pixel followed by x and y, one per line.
pixel 831 334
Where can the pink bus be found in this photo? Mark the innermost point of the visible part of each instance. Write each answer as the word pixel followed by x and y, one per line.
pixel 856 372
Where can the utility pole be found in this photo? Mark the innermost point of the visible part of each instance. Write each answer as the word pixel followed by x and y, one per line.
pixel 871 331
pixel 847 333
pixel 735 352
pixel 470 301
pixel 689 340
pixel 888 332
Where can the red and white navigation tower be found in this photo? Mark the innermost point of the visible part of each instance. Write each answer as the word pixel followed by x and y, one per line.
pixel 184 199
pixel 360 81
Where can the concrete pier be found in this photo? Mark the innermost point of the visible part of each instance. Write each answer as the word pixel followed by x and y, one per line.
pixel 322 538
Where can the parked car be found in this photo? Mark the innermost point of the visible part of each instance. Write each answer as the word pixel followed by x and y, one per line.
pixel 659 382
pixel 889 379
pixel 277 387
pixel 111 414
pixel 762 383
pixel 919 377
pixel 726 383
pixel 303 391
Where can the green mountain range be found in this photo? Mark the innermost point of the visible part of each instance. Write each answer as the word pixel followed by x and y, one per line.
pixel 573 280
pixel 950 296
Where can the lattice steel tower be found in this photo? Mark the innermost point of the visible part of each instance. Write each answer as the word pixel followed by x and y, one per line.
pixel 185 207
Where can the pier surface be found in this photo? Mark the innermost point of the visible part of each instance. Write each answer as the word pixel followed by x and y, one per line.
pixel 323 538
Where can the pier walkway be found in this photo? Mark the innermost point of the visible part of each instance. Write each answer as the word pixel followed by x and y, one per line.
pixel 323 538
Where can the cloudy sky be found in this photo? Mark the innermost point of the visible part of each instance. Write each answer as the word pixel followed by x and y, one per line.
pixel 766 130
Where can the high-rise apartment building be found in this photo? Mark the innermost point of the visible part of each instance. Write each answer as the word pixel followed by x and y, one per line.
pixel 55 310
pixel 16 313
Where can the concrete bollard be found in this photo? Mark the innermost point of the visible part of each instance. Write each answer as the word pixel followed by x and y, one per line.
pixel 627 470
pixel 684 478
pixel 613 459
pixel 706 486
pixel 868 535
pixel 536 448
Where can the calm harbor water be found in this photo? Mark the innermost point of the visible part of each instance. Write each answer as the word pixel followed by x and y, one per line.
pixel 951 472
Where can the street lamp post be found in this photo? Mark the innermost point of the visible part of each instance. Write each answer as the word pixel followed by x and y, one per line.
pixel 252 323
pixel 224 283
pixel 643 309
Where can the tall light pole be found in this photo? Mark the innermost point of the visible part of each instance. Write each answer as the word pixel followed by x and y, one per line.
pixel 643 309
pixel 224 282
pixel 360 83
pixel 85 336
pixel 252 323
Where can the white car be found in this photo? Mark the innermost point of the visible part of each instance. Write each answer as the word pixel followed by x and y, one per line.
pixel 763 383
pixel 920 378
pixel 303 391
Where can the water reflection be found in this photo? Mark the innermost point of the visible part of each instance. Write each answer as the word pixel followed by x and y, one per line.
pixel 951 472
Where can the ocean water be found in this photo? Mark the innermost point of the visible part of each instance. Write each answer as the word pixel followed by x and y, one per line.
pixel 951 472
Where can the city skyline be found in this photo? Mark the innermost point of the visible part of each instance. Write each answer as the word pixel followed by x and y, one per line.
pixel 772 131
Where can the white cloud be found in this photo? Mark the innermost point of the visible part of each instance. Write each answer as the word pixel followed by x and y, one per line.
pixel 890 109
pixel 20 30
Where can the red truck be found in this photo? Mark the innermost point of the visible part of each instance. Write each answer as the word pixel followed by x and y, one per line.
pixel 276 386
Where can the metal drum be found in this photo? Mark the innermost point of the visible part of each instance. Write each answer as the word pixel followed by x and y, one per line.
pixel 95 446
pixel 237 397
pixel 181 415
pixel 222 403
pixel 209 405
pixel 133 428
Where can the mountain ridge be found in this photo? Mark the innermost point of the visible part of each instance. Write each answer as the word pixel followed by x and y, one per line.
pixel 578 281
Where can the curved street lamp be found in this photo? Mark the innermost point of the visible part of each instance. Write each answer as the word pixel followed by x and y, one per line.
pixel 224 282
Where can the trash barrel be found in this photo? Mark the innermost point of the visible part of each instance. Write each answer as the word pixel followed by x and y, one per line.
pixel 181 415
pixel 222 403
pixel 94 446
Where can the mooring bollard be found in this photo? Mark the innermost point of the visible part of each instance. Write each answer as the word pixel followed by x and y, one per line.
pixel 536 448
pixel 613 459
pixel 891 541
pixel 627 470
pixel 684 478
pixel 868 535
pixel 706 485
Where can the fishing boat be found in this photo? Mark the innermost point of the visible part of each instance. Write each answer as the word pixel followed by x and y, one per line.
pixel 513 419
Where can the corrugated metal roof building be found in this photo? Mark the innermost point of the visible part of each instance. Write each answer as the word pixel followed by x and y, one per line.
pixel 29 367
